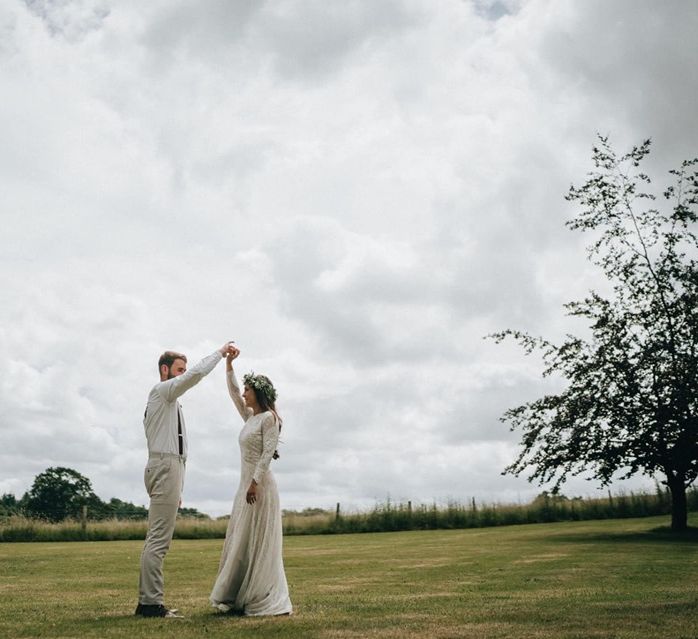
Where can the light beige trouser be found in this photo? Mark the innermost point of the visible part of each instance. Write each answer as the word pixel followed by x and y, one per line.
pixel 164 478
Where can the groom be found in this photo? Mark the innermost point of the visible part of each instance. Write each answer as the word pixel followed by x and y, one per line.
pixel 164 473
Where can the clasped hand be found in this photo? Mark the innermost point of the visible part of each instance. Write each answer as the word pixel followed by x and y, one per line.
pixel 229 351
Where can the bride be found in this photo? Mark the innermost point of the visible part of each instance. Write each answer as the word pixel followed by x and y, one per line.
pixel 251 578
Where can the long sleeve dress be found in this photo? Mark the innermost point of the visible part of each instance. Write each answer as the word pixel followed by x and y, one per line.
pixel 251 578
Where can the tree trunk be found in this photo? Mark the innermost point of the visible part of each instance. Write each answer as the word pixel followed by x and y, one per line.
pixel 679 511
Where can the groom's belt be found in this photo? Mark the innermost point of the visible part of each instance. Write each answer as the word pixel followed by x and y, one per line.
pixel 163 455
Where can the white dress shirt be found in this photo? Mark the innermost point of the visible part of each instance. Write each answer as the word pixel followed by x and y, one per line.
pixel 161 413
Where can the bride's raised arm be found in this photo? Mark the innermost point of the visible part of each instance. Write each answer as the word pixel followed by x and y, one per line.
pixel 234 387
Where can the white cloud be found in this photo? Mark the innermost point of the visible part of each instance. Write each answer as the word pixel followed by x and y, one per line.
pixel 355 193
pixel 70 19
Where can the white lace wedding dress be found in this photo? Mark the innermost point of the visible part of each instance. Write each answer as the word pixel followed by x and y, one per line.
pixel 251 578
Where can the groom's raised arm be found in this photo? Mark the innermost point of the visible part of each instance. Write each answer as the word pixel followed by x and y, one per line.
pixel 173 388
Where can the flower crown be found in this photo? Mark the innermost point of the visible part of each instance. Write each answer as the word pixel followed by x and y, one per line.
pixel 262 384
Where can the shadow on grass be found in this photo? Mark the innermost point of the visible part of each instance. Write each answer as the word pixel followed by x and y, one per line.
pixel 662 534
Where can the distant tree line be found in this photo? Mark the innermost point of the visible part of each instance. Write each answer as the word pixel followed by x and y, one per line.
pixel 63 493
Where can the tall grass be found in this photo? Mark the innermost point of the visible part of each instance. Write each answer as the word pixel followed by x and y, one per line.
pixel 546 508
pixel 18 528
pixel 383 517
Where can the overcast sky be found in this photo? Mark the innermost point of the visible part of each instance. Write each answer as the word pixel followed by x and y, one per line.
pixel 355 191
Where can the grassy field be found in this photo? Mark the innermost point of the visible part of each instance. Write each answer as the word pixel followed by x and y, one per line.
pixel 615 578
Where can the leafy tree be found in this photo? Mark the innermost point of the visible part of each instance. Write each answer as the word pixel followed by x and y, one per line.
pixel 58 493
pixel 631 399
pixel 545 498
pixel 9 505
pixel 124 510
pixel 192 513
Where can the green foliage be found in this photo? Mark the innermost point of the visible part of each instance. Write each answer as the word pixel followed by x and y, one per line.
pixel 9 505
pixel 545 508
pixel 117 509
pixel 631 400
pixel 261 384
pixel 306 512
pixel 58 493
pixel 192 513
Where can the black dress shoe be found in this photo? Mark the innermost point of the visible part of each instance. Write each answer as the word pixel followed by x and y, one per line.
pixel 156 610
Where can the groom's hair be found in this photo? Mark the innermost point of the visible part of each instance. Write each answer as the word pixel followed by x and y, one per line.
pixel 168 358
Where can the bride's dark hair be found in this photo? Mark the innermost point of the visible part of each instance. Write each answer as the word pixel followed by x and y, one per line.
pixel 265 394
pixel 267 405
